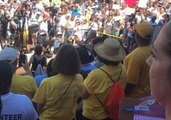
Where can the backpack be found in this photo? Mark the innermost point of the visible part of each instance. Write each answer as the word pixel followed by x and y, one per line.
pixel 39 70
pixel 112 101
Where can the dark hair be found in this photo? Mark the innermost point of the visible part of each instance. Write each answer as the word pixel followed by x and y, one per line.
pixel 50 71
pixel 38 50
pixel 84 55
pixel 98 40
pixel 67 61
pixel 22 59
pixel 6 73
pixel 92 35
pixel 153 18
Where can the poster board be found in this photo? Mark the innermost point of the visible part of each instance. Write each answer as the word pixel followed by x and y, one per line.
pixel 128 103
pixel 128 110
pixel 142 3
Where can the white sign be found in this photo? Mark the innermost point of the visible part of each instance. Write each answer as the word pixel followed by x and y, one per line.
pixel 116 6
pixel 142 3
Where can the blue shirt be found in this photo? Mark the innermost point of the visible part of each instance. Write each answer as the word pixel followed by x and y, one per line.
pixel 39 79
pixel 75 12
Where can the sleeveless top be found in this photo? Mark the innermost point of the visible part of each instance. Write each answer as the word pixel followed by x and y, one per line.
pixel 36 62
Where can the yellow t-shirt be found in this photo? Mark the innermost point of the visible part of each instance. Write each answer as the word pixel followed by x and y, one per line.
pixel 51 90
pixel 138 71
pixel 97 82
pixel 23 85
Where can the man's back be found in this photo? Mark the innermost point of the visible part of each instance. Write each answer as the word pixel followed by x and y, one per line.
pixel 17 107
pixel 138 71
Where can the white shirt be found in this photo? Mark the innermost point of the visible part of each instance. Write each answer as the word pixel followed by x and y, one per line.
pixel 44 26
pixel 94 26
pixel 63 20
pixel 58 27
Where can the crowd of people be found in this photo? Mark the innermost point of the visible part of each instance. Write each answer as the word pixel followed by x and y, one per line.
pixel 88 38
pixel 25 24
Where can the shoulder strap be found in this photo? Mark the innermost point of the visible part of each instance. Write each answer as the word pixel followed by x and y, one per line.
pixel 61 95
pixel 110 76
pixel 102 104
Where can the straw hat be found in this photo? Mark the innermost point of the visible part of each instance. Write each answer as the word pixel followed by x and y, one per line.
pixel 110 50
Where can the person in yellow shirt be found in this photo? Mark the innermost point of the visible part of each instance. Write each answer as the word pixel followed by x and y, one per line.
pixel 20 84
pixel 138 84
pixel 24 85
pixel 98 82
pixel 57 96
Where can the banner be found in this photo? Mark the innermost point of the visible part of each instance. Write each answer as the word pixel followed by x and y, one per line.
pixel 131 3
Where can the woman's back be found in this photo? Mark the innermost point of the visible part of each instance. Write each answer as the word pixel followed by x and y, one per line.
pixel 61 96
pixel 98 83
pixel 57 96
pixel 38 60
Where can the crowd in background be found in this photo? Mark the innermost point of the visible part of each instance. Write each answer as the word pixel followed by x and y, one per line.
pixel 28 23
pixel 84 39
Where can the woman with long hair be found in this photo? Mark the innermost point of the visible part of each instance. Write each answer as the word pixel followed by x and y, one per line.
pixel 57 96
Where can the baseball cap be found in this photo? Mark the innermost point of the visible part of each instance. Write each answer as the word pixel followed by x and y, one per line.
pixel 144 30
pixel 9 54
